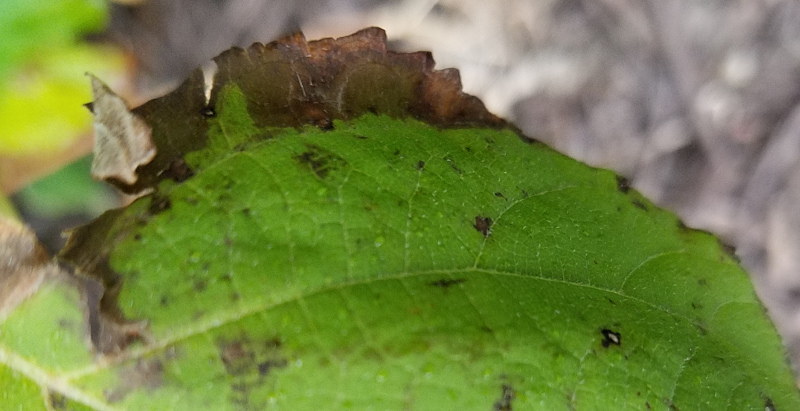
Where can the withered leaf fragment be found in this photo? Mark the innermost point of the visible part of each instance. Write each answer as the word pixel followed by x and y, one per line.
pixel 122 140
pixel 24 265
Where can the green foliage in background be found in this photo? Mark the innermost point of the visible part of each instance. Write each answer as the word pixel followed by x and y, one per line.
pixel 43 58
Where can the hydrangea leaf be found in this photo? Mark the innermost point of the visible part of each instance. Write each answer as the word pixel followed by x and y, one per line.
pixel 387 257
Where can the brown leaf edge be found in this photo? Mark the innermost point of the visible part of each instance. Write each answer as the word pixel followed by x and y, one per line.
pixel 288 83
pixel 292 82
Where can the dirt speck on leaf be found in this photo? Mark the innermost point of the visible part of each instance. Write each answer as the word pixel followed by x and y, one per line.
pixel 623 185
pixel 446 283
pixel 320 161
pixel 504 403
pixel 483 225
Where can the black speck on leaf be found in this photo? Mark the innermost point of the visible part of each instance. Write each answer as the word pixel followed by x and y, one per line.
pixel 446 283
pixel 610 338
pixel 623 185
pixel 639 204
pixel 504 403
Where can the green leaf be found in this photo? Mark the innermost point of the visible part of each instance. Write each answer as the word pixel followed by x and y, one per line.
pixel 381 262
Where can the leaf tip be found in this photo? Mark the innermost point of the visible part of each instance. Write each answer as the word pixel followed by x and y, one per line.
pixel 123 141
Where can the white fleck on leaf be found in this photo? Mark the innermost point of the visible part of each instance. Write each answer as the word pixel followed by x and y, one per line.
pixel 122 140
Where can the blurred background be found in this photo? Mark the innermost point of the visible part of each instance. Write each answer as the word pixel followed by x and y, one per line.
pixel 697 102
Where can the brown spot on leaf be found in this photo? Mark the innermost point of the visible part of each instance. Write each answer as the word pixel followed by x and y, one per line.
pixel 420 165
pixel 179 171
pixel 266 366
pixel 145 373
pixel 504 403
pixel 446 283
pixel 729 250
pixel 159 204
pixel 453 165
pixel 483 225
pixel 320 161
pixel 623 185
pixel 639 204
pixel 57 400
pixel 668 402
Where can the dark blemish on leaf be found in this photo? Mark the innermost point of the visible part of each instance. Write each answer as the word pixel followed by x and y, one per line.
pixel 360 137
pixel 199 285
pixel 486 329
pixel 420 165
pixel 246 211
pixel 320 161
pixel 446 283
pixel 623 185
pixel 647 405
pixel 702 281
pixel 668 402
pixel 468 149
pixel 163 301
pixel 610 338
pixel 236 358
pixel 235 296
pixel 158 204
pixel 729 250
pixel 696 306
pixel 499 195
pixel 768 405
pixel 324 124
pixel 396 152
pixel 179 171
pixel 266 366
pixel 146 373
pixel 245 357
pixel 137 237
pixel 638 393
pixel 611 301
pixel 506 398
pixel 57 400
pixel 227 277
pixel 701 328
pixel 483 225
pixel 453 165
pixel 65 323
pixel 208 112
pixel 639 204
